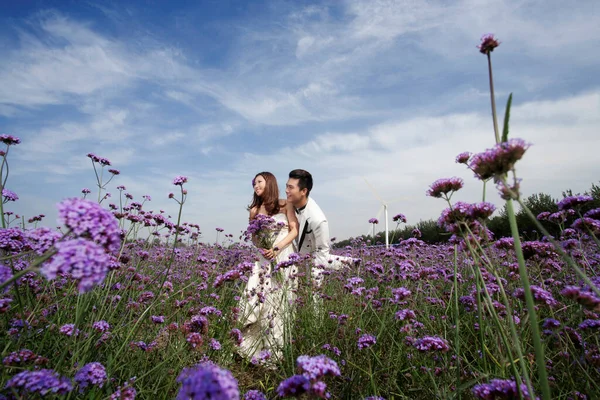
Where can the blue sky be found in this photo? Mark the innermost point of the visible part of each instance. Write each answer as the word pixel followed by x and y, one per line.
pixel 387 91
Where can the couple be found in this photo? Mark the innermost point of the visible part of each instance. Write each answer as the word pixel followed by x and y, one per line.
pixel 266 302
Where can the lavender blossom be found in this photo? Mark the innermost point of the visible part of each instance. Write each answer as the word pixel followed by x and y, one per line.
pixel 207 381
pixel 254 395
pixel 488 43
pixel 431 343
pixel 498 160
pixel 92 374
pixel 125 392
pixel 539 295
pixel 42 239
pixel 366 341
pixel 499 389
pixel 463 158
pixel 9 195
pixel 373 221
pixel 9 139
pixel 5 275
pixel 399 218
pixel 180 180
pixel 43 382
pixel 13 240
pixel 572 202
pixel 317 367
pixel 590 324
pixel 82 260
pixel 89 219
pixel 294 386
pixel 444 186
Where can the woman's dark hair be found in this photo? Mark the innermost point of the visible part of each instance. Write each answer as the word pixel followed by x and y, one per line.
pixel 304 179
pixel 270 196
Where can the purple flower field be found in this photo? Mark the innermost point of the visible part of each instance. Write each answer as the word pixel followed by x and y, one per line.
pixel 123 302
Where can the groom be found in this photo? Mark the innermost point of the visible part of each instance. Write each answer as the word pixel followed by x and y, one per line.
pixel 313 229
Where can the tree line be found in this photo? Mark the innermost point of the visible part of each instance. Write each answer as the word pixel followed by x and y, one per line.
pixel 430 232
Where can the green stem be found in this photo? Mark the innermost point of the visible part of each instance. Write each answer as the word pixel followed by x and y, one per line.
pixel 457 320
pixel 535 330
pixel 493 98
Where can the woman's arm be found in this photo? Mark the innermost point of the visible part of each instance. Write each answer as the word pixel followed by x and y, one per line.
pixel 293 232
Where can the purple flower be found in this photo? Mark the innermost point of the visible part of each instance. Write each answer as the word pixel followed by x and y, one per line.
pixel 543 216
pixel 9 195
pixel 399 218
pixel 571 202
pixel 69 330
pixel 92 374
pixel 5 275
pixel 373 221
pixel 179 180
pixel 366 341
pixel 499 389
pixel 593 214
pixel 583 296
pixel 317 367
pixel 293 386
pixel 590 324
pixel 431 343
pixel 13 240
pixel 540 295
pixel 86 218
pixel 498 160
pixel 482 210
pixel 586 225
pixel 405 315
pixel 214 344
pixel 23 356
pixel 444 186
pixel 550 323
pixel 42 239
pixel 82 260
pixel 9 139
pixel 43 382
pixel 126 392
pixel 254 395
pixel 488 43
pixel 207 381
pixel 236 335
pixel 86 191
pixel 101 326
pixel 114 171
pixel 463 158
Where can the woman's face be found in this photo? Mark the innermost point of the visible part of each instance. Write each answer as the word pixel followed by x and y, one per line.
pixel 259 185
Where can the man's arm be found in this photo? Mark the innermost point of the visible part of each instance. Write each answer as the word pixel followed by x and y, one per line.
pixel 322 247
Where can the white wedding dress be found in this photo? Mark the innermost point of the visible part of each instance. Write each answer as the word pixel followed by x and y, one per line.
pixel 266 305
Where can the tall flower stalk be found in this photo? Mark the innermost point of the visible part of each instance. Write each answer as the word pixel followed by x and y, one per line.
pixel 509 154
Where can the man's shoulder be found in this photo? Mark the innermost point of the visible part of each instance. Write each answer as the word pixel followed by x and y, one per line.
pixel 316 214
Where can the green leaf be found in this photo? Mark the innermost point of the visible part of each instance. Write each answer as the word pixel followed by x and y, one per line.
pixel 506 118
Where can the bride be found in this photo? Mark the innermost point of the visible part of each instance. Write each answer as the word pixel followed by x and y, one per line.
pixel 266 301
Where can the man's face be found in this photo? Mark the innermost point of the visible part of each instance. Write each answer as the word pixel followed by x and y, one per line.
pixel 293 193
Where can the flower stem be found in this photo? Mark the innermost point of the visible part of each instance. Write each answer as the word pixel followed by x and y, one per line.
pixel 535 330
pixel 493 98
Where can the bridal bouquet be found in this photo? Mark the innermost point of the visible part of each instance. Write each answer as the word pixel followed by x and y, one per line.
pixel 265 231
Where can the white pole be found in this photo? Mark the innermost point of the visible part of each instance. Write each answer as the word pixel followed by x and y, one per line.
pixel 387 239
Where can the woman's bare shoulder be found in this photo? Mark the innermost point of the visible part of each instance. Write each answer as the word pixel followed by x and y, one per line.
pixel 253 212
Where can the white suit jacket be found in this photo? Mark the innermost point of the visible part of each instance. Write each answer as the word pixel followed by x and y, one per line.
pixel 313 236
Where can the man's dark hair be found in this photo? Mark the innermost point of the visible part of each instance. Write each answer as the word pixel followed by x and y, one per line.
pixel 304 179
